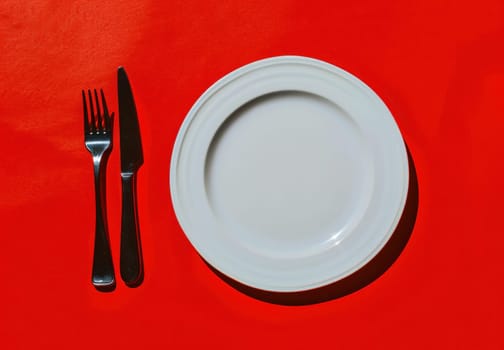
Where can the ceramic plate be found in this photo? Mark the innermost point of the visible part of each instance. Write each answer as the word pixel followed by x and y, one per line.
pixel 289 174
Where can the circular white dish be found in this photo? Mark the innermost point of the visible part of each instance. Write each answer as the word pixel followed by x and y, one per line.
pixel 289 174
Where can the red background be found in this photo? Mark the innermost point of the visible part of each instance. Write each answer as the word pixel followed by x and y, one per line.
pixel 439 65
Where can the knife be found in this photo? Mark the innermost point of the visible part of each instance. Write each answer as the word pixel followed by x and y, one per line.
pixel 131 264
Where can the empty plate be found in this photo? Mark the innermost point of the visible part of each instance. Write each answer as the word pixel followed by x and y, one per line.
pixel 289 174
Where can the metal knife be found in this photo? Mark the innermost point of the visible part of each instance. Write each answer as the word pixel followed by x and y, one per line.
pixel 131 262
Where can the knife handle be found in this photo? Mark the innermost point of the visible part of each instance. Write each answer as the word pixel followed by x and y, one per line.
pixel 131 254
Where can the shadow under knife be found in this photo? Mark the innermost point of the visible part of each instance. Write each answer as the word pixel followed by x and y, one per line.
pixel 359 279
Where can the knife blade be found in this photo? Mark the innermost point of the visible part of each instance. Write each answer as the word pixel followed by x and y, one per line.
pixel 131 262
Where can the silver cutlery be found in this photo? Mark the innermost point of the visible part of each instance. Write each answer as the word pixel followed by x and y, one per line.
pixel 131 264
pixel 98 140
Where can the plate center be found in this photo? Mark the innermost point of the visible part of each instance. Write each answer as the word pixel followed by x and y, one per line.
pixel 288 174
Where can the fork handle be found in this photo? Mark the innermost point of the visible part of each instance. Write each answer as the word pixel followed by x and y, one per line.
pixel 103 276
pixel 131 252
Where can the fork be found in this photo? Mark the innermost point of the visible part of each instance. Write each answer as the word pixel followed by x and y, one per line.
pixel 98 140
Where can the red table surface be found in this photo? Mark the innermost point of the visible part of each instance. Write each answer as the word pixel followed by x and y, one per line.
pixel 439 66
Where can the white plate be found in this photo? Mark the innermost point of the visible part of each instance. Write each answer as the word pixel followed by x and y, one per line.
pixel 289 174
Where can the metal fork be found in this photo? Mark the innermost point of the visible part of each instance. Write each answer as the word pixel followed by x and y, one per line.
pixel 98 140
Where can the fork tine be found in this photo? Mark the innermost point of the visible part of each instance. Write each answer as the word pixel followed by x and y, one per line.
pixel 86 119
pixel 93 122
pixel 106 116
pixel 98 112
